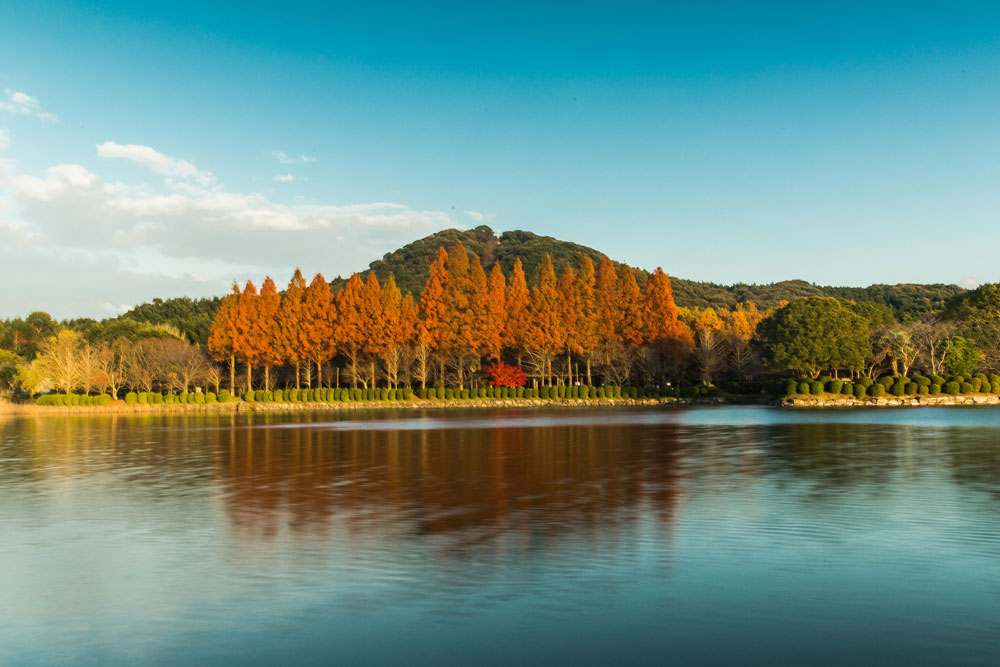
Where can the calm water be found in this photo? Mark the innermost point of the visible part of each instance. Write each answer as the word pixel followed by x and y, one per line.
pixel 666 536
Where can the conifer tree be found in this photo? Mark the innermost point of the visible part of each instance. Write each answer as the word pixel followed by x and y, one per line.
pixel 494 314
pixel 245 329
pixel 663 332
pixel 566 289
pixel 319 313
pixel 434 310
pixel 545 334
pixel 220 341
pixel 377 338
pixel 268 349
pixel 585 332
pixel 606 295
pixel 628 310
pixel 518 302
pixel 351 334
pixel 392 337
pixel 290 322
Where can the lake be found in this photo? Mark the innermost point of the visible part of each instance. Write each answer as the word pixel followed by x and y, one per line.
pixel 495 537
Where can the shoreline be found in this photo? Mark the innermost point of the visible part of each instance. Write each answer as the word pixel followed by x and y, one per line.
pixel 29 410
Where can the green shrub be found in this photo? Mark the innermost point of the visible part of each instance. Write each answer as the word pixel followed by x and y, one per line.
pixel 887 381
pixel 860 390
pixel 448 394
pixel 143 398
pixel 876 390
pixel 584 392
pixel 157 398
pixel 199 398
pixel 803 387
pixel 633 392
pixel 935 389
pixel 965 387
pixel 466 394
pixel 224 396
pixel 791 387
pixel 865 382
pixel 922 380
pixel 986 388
pixel 248 396
pixel 924 389
pixel 815 387
pixel 211 398
pixel 976 384
pixel 911 388
pixel 131 398
pixel 951 387
pixel 847 389
pixel 937 379
pixel 834 386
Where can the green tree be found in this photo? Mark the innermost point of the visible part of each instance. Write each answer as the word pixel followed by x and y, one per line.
pixel 815 334
pixel 962 356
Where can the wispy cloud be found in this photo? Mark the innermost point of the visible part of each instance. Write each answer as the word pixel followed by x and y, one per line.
pixel 284 178
pixel 22 104
pixel 480 217
pixel 4 139
pixel 284 158
pixel 155 161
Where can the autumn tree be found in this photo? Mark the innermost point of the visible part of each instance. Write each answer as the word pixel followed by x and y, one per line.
pixel 245 329
pixel 585 330
pixel 350 332
pixel 57 363
pixel 220 339
pixel 289 322
pixel 317 335
pixel 494 314
pixel 267 332
pixel 545 336
pixel 433 313
pixel 518 302
pixel 667 337
pixel 566 289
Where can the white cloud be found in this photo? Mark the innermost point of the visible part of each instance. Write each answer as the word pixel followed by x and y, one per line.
pixel 284 178
pixel 475 215
pixel 4 139
pixel 112 310
pixel 970 283
pixel 155 161
pixel 165 239
pixel 22 104
pixel 284 158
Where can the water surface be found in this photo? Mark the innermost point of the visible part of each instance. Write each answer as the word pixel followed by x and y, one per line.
pixel 585 536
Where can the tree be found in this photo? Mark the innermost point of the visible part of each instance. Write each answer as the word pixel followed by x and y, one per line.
pixel 289 322
pixel 494 314
pixel 111 365
pixel 267 334
pixel 57 363
pixel 178 364
pixel 567 310
pixel 706 325
pixel 10 363
pixel 320 317
pixel 376 337
pixel 815 334
pixel 351 333
pixel 434 310
pixel 545 335
pixel 739 326
pixel 245 329
pixel 663 333
pixel 585 331
pixel 962 356
pixel 392 336
pixel 518 302
pixel 224 327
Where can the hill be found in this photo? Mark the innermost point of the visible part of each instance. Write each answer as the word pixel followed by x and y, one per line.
pixel 410 264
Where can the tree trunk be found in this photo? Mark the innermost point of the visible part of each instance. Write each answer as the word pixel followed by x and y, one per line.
pixel 319 373
pixel 569 369
pixel 297 375
pixel 373 372
pixel 249 376
pixel 232 374
pixel 267 377
pixel 589 381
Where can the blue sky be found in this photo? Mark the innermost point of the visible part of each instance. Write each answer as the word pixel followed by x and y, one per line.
pixel 167 148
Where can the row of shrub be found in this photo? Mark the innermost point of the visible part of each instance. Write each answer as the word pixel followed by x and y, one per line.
pixel 345 395
pixel 73 399
pixel 183 398
pixel 918 385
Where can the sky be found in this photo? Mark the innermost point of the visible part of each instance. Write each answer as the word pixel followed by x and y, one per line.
pixel 163 149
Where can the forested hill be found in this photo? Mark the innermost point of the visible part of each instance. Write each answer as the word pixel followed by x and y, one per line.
pixel 410 265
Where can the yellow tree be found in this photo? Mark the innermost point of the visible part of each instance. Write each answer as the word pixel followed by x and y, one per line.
pixel 705 323
pixel 220 341
pixel 739 326
pixel 460 321
pixel 391 335
pixel 409 327
pixel 289 323
pixel 317 339
pixel 585 332
pixel 518 303
pixel 376 336
pixel 663 332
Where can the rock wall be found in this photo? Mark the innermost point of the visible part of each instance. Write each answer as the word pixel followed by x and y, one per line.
pixel 888 401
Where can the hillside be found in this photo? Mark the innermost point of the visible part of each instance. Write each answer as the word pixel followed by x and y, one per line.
pixel 410 264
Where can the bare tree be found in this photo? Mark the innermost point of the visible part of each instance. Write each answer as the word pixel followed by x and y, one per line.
pixel 177 364
pixel 110 363
pixel 138 363
pixel 928 337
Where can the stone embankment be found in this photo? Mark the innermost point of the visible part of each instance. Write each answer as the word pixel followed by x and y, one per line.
pixel 804 401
